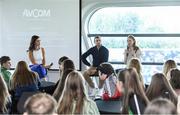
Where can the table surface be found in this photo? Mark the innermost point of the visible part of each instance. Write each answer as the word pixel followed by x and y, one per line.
pixel 110 106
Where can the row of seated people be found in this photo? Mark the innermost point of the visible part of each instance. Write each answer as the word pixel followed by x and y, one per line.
pixel 67 66
pixel 74 93
pixel 137 96
pixel 73 99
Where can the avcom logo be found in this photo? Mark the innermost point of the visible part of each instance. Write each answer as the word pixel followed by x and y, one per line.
pixel 36 13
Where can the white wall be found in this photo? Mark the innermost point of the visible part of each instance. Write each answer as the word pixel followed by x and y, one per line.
pixel 53 76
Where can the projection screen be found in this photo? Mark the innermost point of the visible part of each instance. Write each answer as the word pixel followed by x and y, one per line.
pixel 57 22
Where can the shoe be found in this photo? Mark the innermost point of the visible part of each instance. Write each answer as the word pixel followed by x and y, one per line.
pixel 99 92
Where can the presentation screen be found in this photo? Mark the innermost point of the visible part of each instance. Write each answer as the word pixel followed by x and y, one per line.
pixel 57 22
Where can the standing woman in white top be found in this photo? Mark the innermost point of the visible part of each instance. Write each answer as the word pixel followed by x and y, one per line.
pixel 132 50
pixel 36 55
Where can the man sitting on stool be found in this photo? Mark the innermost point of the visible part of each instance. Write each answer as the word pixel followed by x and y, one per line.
pixel 100 54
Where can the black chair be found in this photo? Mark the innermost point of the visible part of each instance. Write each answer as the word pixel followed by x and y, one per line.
pixel 14 102
pixel 14 105
pixel 22 100
pixel 109 107
pixel 47 87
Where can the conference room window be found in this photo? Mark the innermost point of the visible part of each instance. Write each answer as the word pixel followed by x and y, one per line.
pixel 155 29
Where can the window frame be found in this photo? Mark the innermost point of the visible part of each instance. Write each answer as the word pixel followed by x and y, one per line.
pixel 89 35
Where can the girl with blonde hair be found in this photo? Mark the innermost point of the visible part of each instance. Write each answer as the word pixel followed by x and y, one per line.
pixel 5 100
pixel 135 63
pixel 168 65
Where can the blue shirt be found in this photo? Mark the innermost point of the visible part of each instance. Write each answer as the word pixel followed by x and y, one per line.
pixel 28 88
pixel 99 56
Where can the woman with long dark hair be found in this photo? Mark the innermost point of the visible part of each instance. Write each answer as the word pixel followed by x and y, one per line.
pixel 134 99
pixel 24 80
pixel 121 78
pixel 74 99
pixel 37 58
pixel 67 67
pixel 160 87
pixel 175 80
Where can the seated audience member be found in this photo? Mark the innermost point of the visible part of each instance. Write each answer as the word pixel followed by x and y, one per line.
pixel 5 66
pixel 175 80
pixel 24 80
pixel 41 103
pixel 67 67
pixel 134 98
pixel 64 66
pixel 160 87
pixel 160 106
pixel 5 99
pixel 121 80
pixel 135 63
pixel 60 61
pixel 108 78
pixel 168 65
pixel 74 99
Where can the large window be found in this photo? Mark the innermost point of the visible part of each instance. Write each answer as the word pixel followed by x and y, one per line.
pixel 143 20
pixel 156 30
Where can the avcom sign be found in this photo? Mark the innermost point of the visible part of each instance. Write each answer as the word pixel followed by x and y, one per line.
pixel 36 13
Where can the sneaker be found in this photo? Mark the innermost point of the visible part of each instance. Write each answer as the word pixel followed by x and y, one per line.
pixel 99 92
